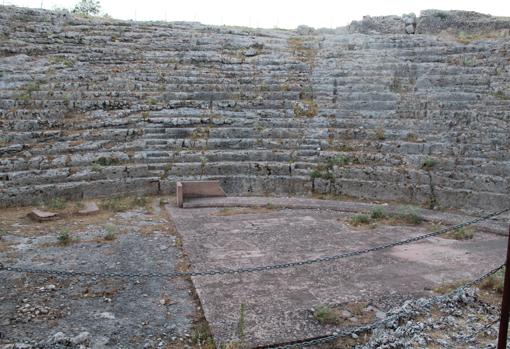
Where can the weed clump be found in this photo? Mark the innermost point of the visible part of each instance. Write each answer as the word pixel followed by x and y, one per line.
pixel 326 315
pixel 139 201
pixel 379 134
pixel 501 95
pixel 114 204
pixel 360 219
pixel 110 230
pixel 339 160
pixel 61 60
pixel 410 216
pixel 494 283
pixel 460 234
pixel 411 137
pixel 57 204
pixel 104 161
pixel 64 237
pixel 201 336
pixel 428 164
pixel 378 213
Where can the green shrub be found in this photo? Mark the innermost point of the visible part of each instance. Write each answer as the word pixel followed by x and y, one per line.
pixel 64 237
pixel 428 164
pixel 338 160
pixel 410 216
pixel 468 62
pixel 360 219
pixel 326 315
pixel 110 230
pixel 378 213
pixel 460 234
pixel 315 174
pixel 104 161
pixel 96 167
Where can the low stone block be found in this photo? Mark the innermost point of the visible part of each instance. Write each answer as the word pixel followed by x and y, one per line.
pixel 89 209
pixel 42 216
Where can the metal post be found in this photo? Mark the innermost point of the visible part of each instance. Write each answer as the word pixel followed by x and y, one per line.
pixel 505 305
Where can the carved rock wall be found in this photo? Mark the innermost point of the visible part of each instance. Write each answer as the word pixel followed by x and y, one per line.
pixel 99 107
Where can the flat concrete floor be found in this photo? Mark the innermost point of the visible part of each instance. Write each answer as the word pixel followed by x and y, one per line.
pixel 278 305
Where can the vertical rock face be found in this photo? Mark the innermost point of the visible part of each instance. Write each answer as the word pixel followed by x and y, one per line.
pixel 97 107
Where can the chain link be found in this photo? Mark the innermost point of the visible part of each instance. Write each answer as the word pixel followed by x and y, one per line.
pixel 175 274
pixel 329 338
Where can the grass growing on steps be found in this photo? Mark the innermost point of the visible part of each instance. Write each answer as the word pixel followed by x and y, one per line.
pixel 117 204
pixel 56 204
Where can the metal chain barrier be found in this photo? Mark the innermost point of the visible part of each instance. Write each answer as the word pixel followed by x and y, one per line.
pixel 247 269
pixel 377 324
pixel 329 338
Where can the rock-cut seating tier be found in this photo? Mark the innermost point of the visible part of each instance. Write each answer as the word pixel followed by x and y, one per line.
pixel 94 107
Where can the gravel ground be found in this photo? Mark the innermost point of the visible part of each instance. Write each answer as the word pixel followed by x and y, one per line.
pixel 95 312
pixel 41 311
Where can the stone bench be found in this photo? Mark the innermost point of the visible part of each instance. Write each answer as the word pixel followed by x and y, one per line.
pixel 198 189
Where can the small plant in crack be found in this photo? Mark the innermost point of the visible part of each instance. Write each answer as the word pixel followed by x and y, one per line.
pixel 64 237
pixel 203 164
pixel 428 164
pixel 326 315
pixel 110 232
pixel 460 234
pixel 241 325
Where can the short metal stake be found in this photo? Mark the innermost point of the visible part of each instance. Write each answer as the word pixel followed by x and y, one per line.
pixel 505 305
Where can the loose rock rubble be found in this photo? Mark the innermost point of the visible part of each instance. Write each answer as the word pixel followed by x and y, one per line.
pixel 452 321
pixel 43 311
